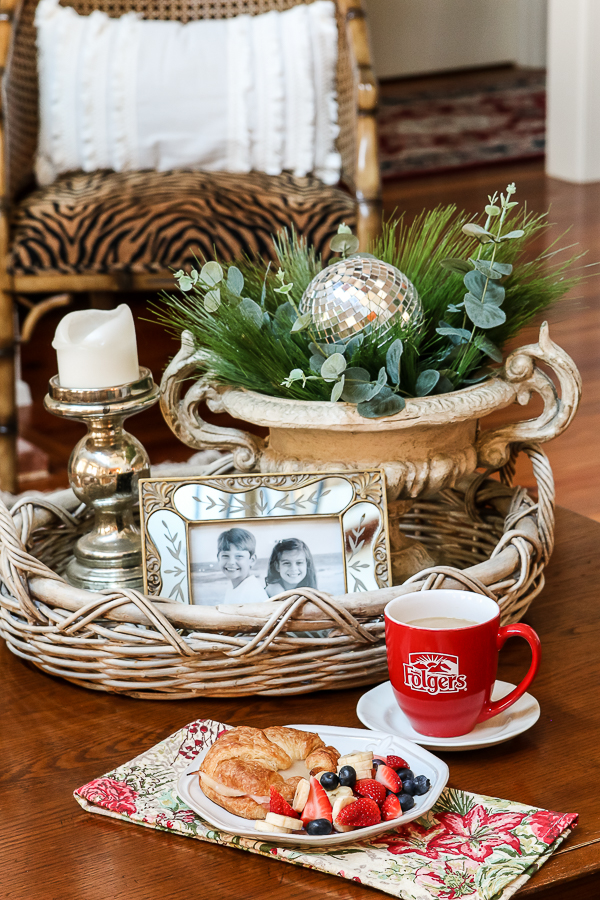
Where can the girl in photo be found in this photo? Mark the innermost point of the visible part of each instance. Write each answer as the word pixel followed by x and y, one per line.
pixel 290 566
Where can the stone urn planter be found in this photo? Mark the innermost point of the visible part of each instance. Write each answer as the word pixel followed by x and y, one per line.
pixel 431 444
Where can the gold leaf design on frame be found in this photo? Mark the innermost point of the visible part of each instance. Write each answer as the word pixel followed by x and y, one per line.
pixel 368 486
pixel 242 483
pixel 153 569
pixel 157 495
pixel 381 560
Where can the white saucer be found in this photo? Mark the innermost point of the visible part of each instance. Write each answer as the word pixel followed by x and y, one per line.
pixel 377 709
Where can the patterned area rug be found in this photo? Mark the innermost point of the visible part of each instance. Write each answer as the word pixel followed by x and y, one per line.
pixel 434 131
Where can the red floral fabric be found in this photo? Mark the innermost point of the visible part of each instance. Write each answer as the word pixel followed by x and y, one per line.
pixel 110 794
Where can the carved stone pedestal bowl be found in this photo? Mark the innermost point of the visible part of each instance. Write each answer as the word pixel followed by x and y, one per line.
pixel 425 448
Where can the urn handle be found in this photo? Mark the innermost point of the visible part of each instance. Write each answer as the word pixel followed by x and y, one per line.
pixel 182 415
pixel 493 446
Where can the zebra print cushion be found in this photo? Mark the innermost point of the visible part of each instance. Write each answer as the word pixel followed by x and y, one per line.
pixel 138 222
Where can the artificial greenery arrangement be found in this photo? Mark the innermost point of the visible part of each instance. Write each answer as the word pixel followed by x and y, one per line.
pixel 477 281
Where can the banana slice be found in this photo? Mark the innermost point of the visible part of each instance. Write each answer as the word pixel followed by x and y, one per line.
pixel 261 825
pixel 362 771
pixel 338 806
pixel 301 795
pixel 357 757
pixel 284 821
pixel 342 791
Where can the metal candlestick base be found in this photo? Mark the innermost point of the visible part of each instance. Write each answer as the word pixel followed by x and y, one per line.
pixel 104 470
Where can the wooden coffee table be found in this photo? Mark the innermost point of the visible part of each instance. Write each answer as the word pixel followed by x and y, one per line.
pixel 55 736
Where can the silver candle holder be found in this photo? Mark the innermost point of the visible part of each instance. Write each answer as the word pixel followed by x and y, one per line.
pixel 104 470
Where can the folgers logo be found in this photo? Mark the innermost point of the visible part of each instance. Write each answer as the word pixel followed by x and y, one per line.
pixel 434 673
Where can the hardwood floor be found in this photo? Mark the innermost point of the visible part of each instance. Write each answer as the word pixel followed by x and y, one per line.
pixel 574 324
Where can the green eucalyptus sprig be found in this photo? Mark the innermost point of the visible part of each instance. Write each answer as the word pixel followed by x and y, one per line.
pixel 482 304
pixel 344 242
pixel 210 280
pixel 353 384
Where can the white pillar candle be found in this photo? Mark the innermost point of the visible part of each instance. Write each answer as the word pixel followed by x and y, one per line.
pixel 96 348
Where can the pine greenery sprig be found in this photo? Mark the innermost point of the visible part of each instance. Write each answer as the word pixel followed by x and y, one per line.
pixel 478 281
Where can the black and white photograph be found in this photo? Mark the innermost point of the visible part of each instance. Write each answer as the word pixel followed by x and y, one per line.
pixel 253 560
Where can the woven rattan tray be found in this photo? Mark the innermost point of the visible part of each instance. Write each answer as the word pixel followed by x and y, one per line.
pixel 488 537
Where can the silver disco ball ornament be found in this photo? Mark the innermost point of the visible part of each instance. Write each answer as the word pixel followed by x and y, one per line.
pixel 357 293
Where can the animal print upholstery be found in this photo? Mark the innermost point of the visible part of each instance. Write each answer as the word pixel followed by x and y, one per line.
pixel 140 222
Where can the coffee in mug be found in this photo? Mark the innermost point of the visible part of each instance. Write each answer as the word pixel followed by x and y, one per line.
pixel 441 622
pixel 442 649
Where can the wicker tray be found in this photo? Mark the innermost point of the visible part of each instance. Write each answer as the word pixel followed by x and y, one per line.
pixel 488 537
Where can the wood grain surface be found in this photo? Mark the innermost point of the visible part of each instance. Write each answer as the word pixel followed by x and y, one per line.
pixel 54 737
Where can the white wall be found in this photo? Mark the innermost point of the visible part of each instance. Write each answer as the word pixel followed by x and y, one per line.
pixel 413 37
pixel 531 33
pixel 573 136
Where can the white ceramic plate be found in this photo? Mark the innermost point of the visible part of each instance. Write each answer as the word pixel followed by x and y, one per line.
pixel 377 709
pixel 345 740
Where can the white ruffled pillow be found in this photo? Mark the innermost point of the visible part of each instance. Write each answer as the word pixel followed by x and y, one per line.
pixel 240 94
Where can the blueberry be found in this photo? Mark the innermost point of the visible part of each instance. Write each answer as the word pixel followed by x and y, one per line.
pixel 329 781
pixel 407 801
pixel 319 826
pixel 347 776
pixel 422 785
pixel 409 786
pixel 405 773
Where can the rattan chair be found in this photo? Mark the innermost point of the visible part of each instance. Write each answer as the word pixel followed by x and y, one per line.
pixel 45 245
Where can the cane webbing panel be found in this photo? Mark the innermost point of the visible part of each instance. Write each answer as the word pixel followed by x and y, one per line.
pixel 21 93
pixel 149 221
pixel 20 103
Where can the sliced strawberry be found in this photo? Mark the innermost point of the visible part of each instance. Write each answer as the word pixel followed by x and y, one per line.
pixel 368 787
pixel 391 808
pixel 388 778
pixel 317 805
pixel 280 806
pixel 396 762
pixel 360 814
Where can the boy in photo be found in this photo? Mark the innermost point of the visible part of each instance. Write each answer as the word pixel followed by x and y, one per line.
pixel 236 554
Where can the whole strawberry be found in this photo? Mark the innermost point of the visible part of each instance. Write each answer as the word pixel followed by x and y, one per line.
pixel 396 762
pixel 368 787
pixel 360 814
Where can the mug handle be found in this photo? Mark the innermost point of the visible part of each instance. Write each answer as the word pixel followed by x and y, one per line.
pixel 525 631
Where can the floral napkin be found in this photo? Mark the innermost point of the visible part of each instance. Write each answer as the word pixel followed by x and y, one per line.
pixel 468 846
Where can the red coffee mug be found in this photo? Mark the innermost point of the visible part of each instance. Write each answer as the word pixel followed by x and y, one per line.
pixel 443 672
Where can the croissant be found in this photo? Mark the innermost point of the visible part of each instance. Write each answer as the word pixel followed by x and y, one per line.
pixel 243 764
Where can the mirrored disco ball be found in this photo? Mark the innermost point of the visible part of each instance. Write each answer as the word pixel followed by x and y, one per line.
pixel 356 293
